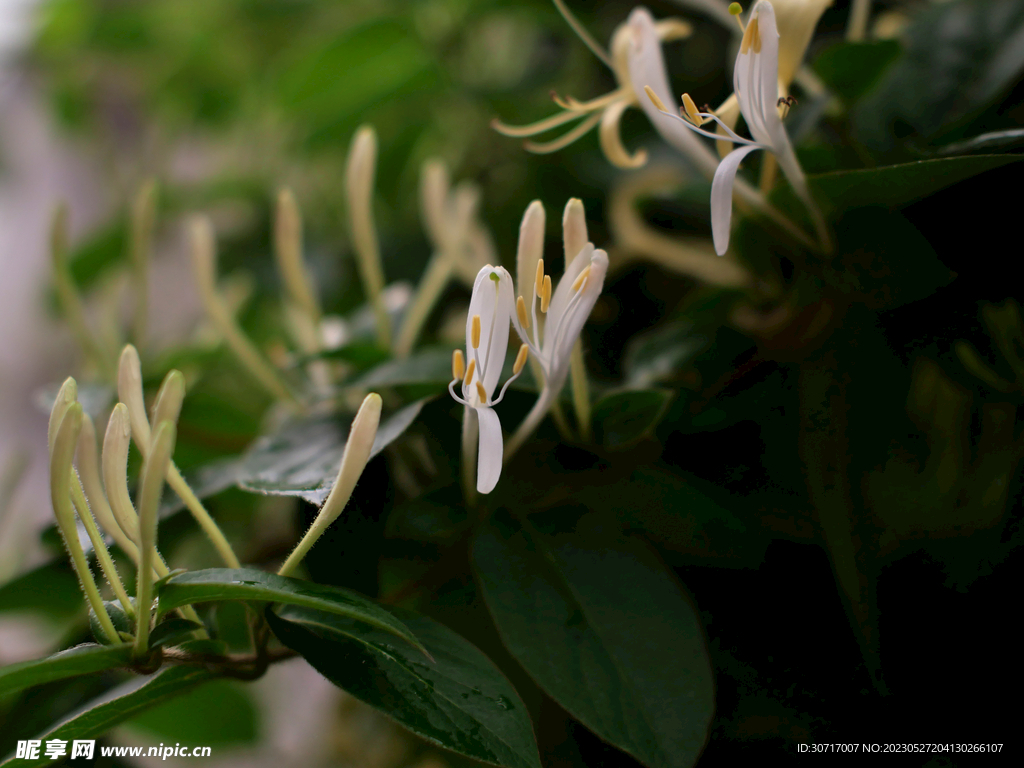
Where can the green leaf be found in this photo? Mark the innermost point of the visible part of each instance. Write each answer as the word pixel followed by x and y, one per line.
pixel 898 185
pixel 460 701
pixel 986 142
pixel 251 584
pixel 851 69
pixel 607 632
pixel 80 660
pixel 623 418
pixel 427 366
pixel 173 631
pixel 302 458
pixel 657 355
pixel 220 714
pixel 51 589
pixel 959 57
pixel 883 261
pixel 117 706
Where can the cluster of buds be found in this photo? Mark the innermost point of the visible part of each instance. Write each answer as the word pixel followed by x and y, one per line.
pixel 97 493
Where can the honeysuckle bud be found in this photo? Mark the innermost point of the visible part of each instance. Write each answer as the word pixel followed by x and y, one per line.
pixel 64 441
pixel 129 390
pixel 66 395
pixel 359 177
pixel 154 469
pixel 89 469
pixel 490 309
pixel 361 437
pixel 116 442
pixel 169 398
pixel 288 249
pixel 755 80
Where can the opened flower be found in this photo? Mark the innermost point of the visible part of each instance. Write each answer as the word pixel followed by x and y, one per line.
pixel 756 83
pixel 606 110
pixel 490 310
pixel 552 321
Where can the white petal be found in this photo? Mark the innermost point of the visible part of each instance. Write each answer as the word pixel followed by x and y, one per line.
pixel 560 297
pixel 576 318
pixel 488 461
pixel 721 196
pixel 531 247
pixel 493 308
pixel 647 67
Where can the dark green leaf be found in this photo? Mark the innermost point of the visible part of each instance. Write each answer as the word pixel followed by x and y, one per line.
pixel 116 706
pixel 624 418
pixel 959 57
pixel 607 632
pixel 899 185
pixel 122 622
pixel 657 355
pixel 459 701
pixel 850 69
pixel 883 261
pixel 302 459
pixel 987 142
pixel 81 660
pixel 173 631
pixel 250 584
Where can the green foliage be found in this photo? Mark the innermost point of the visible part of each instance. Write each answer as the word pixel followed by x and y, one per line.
pixel 254 585
pixel 120 705
pixel 457 699
pixel 80 660
pixel 605 630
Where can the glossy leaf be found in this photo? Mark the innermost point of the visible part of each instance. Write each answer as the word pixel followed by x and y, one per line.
pixel 459 701
pixel 428 366
pixel 254 585
pixel 623 418
pixel 119 705
pixel 80 660
pixel 658 355
pixel 898 185
pixel 606 631
pixel 302 458
pixel 220 714
pixel 958 58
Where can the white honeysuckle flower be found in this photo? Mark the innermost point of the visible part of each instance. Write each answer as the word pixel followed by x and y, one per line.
pixel 756 83
pixel 490 311
pixel 608 109
pixel 646 68
pixel 566 307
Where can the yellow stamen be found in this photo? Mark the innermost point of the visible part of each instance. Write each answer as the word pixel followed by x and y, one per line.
pixel 481 392
pixel 750 37
pixel 524 351
pixel 581 279
pixel 458 364
pixel 524 319
pixel 540 277
pixel 470 371
pixel 691 110
pixel 654 98
pixel 474 333
pixel 545 296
